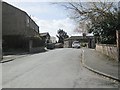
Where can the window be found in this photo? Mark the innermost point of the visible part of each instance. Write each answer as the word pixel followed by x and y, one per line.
pixel 28 21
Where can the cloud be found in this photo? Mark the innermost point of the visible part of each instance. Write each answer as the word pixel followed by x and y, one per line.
pixel 49 18
pixel 35 9
pixel 42 10
pixel 60 0
pixel 31 8
pixel 52 26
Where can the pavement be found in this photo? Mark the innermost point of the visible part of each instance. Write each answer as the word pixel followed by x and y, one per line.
pixel 8 58
pixel 100 63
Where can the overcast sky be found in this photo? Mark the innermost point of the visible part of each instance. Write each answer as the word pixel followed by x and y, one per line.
pixel 49 17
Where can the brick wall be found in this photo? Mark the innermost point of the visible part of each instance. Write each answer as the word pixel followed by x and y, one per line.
pixel 109 50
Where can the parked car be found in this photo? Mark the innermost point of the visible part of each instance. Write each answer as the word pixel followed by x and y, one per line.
pixel 58 45
pixel 50 45
pixel 76 44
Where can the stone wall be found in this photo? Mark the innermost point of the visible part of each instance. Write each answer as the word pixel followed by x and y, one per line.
pixel 17 22
pixel 109 50
pixel 17 29
pixel 66 44
pixel 13 20
pixel 37 49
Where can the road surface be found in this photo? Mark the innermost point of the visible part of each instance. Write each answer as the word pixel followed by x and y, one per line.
pixel 58 68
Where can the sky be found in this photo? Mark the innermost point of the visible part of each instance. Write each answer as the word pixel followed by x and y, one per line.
pixel 48 16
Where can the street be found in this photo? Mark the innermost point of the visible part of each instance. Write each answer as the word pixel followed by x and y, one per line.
pixel 58 68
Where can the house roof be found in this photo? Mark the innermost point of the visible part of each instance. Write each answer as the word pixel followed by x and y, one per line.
pixel 78 37
pixel 44 34
pixel 74 37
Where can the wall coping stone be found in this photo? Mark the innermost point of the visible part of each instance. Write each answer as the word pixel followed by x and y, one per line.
pixel 113 45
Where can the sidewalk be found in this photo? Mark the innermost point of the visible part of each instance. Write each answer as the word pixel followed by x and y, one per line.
pixel 10 56
pixel 100 63
pixel 7 58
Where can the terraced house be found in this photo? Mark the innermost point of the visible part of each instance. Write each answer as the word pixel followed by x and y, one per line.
pixel 20 32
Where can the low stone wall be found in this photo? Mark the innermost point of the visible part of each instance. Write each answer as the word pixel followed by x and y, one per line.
pixel 66 44
pixel 109 50
pixel 37 49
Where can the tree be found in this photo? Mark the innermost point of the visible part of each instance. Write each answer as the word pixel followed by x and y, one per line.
pixel 106 28
pixel 102 18
pixel 61 35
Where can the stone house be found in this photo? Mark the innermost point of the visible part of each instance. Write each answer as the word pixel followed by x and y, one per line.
pixel 46 37
pixel 53 39
pixel 19 31
pixel 89 40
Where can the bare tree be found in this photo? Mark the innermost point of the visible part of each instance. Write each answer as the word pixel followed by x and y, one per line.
pixel 88 11
pixel 97 17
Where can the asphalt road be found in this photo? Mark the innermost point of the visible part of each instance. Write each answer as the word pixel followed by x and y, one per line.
pixel 58 68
